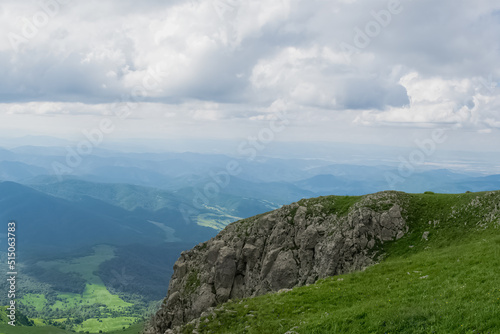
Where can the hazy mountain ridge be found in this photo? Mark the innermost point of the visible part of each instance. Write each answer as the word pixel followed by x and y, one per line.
pixel 176 171
pixel 160 201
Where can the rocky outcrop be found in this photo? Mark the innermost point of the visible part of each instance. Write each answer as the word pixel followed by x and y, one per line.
pixel 292 246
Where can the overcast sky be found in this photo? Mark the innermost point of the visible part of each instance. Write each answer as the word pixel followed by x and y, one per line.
pixel 360 71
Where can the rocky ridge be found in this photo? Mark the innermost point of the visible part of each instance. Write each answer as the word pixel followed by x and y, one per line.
pixel 292 246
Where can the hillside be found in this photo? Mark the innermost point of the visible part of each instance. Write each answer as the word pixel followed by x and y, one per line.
pixel 86 222
pixel 7 329
pixel 436 257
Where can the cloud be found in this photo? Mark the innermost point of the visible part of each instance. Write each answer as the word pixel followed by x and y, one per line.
pixel 425 63
pixel 51 108
pixel 320 77
pixel 460 103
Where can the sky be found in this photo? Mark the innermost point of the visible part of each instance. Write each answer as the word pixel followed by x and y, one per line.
pixel 353 71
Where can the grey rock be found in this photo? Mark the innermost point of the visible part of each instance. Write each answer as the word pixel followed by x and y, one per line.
pixel 292 246
pixel 225 270
pixel 206 298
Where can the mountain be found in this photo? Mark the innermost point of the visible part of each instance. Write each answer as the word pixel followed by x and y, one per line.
pixel 6 154
pixel 127 196
pixel 485 183
pixel 275 180
pixel 275 192
pixel 18 171
pixel 324 184
pixel 179 206
pixel 86 222
pixel 422 243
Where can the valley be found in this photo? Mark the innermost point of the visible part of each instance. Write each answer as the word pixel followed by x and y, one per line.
pixel 98 256
pixel 94 308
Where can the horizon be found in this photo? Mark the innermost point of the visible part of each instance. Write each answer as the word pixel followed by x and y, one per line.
pixel 418 155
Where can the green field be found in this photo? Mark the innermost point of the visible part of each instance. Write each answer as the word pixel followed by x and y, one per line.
pixel 217 222
pixel 6 329
pixel 95 292
pixel 95 295
pixel 105 324
pixel 38 301
pixel 448 284
pixel 134 329
pixel 85 266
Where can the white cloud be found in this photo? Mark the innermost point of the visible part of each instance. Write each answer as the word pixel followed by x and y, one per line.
pixel 459 102
pixel 210 60
pixel 317 76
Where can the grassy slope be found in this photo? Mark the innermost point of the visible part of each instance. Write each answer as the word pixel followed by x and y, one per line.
pixel 95 292
pixel 105 324
pixel 448 284
pixel 37 300
pixel 6 329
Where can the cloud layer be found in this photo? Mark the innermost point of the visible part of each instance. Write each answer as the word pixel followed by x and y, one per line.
pixel 385 63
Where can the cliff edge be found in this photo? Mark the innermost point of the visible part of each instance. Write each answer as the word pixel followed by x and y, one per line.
pixel 292 246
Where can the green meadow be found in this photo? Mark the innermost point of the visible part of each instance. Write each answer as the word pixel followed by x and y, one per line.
pixel 105 324
pixel 37 300
pixel 85 266
pixel 95 309
pixel 217 222
pixel 6 329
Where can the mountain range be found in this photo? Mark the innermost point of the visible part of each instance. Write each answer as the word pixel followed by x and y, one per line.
pixel 153 206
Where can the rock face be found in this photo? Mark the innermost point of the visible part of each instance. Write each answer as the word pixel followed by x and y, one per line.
pixel 292 246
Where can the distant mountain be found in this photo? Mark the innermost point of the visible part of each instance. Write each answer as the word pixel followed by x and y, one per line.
pixel 130 175
pixel 18 171
pixel 126 196
pixel 276 192
pixel 486 183
pixel 322 185
pixel 225 207
pixel 276 180
pixel 361 180
pixel 6 154
pixel 49 223
pixel 155 184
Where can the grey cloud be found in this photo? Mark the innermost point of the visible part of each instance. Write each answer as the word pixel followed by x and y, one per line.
pixel 447 39
pixel 361 93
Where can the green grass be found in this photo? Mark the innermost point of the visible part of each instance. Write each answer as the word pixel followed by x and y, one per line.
pixel 85 266
pixel 105 324
pixel 192 282
pixel 217 222
pixel 448 284
pixel 95 292
pixel 330 205
pixel 134 329
pixel 7 329
pixel 96 295
pixel 38 322
pixel 38 301
pixel 3 315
